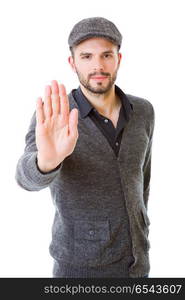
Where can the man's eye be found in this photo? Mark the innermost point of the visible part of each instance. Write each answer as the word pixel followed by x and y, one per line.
pixel 107 55
pixel 86 57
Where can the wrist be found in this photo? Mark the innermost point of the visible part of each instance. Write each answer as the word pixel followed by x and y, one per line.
pixel 44 166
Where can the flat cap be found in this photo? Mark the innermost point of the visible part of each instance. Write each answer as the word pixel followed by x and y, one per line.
pixel 94 27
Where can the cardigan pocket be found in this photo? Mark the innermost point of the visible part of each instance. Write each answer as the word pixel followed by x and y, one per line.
pixel 91 240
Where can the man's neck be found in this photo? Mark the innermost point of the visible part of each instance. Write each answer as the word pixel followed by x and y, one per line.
pixel 106 104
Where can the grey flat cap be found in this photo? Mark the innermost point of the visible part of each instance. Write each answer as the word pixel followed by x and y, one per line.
pixel 94 27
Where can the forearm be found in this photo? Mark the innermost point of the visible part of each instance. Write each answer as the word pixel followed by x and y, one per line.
pixel 148 160
pixel 29 176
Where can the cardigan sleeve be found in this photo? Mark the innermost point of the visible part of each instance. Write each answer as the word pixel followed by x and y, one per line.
pixel 28 175
pixel 148 160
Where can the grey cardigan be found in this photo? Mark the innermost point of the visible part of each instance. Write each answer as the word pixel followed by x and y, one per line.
pixel 89 196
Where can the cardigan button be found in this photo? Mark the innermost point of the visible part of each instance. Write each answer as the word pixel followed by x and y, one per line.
pixel 91 232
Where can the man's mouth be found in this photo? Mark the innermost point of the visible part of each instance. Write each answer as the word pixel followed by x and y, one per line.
pixel 99 77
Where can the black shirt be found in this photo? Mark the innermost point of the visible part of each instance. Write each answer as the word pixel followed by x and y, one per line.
pixel 106 126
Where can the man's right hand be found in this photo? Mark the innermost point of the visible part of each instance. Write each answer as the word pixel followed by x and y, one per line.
pixel 56 127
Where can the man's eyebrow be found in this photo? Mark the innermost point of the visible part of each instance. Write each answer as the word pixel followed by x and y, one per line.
pixel 85 53
pixel 108 51
pixel 88 53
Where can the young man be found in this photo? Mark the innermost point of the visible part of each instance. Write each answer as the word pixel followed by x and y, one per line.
pixel 93 148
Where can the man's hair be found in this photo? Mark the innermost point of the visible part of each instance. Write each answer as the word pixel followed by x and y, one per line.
pixel 72 51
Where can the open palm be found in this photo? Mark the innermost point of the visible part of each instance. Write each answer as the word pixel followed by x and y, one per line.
pixel 56 127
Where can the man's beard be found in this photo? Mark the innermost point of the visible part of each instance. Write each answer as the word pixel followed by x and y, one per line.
pixel 99 89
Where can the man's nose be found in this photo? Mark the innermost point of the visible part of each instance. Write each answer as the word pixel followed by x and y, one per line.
pixel 98 65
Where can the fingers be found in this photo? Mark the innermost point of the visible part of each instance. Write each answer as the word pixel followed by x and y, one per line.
pixel 64 104
pixel 47 102
pixel 55 102
pixel 51 100
pixel 55 98
pixel 39 111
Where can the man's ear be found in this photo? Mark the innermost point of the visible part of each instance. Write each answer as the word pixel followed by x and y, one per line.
pixel 72 64
pixel 119 58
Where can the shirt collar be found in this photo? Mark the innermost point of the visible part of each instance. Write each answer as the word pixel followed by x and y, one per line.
pixel 85 107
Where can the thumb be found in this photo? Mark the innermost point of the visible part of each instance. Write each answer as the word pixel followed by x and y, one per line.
pixel 73 122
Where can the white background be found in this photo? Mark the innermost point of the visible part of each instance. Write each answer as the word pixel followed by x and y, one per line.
pixel 34 51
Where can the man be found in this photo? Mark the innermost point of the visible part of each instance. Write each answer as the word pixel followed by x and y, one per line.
pixel 92 148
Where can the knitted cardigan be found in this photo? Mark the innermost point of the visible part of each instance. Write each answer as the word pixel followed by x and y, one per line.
pixel 88 189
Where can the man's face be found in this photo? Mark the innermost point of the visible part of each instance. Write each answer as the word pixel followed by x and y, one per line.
pixel 96 62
